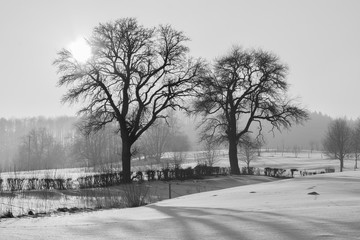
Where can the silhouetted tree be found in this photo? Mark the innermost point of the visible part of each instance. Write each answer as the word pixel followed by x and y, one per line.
pixel 337 142
pixel 243 87
pixel 247 150
pixel 355 140
pixel 134 75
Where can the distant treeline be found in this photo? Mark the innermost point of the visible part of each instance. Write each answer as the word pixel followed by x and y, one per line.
pixel 43 143
pixel 308 136
pixel 47 143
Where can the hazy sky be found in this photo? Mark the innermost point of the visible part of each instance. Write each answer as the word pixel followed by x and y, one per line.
pixel 319 40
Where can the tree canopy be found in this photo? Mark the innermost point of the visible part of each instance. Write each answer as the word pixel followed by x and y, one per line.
pixel 241 88
pixel 134 75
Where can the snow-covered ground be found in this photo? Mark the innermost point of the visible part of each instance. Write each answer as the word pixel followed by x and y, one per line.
pixel 274 210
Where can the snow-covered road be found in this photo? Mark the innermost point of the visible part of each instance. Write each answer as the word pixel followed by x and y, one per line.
pixel 274 210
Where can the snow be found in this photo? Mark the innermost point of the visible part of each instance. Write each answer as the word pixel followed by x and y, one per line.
pixel 273 210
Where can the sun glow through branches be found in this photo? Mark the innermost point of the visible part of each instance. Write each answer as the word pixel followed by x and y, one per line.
pixel 80 50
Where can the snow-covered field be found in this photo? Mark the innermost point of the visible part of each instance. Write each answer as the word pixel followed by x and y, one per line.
pixel 304 160
pixel 47 201
pixel 274 210
pixel 275 159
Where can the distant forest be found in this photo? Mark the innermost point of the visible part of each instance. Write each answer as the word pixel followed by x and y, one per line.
pixel 41 143
pixel 307 136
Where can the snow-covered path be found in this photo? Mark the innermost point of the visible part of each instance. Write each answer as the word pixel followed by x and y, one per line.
pixel 274 210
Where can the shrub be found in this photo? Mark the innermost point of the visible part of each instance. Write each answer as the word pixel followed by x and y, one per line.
pixel 150 175
pixel 15 184
pixel 329 170
pixel 7 214
pixel 248 170
pixel 59 183
pixel 135 194
pixel 32 183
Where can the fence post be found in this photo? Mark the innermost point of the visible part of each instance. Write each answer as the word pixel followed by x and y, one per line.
pixel 169 190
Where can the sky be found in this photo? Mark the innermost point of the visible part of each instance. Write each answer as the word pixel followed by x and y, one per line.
pixel 318 39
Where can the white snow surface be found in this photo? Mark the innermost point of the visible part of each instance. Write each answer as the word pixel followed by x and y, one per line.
pixel 275 210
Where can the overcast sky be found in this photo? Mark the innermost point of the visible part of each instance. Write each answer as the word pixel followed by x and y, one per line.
pixel 318 40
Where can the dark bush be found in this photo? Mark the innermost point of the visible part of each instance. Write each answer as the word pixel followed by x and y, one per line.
pixel 248 170
pixel 59 183
pixel 7 214
pixel 165 174
pixel 15 184
pixel 32 183
pixel 150 175
pixel 48 183
pixel 68 183
pixel 274 172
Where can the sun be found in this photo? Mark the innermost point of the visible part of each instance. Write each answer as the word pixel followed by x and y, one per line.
pixel 80 50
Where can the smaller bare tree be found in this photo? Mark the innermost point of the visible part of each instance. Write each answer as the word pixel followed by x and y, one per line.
pixel 259 143
pixel 355 140
pixel 211 152
pixel 296 150
pixel 156 140
pixel 247 151
pixel 337 142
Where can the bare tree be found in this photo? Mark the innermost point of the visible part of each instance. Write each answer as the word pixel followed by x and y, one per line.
pixel 40 150
pixel 355 139
pixel 337 142
pixel 296 150
pixel 96 148
pixel 312 145
pixel 178 145
pixel 247 150
pixel 133 77
pixel 156 140
pixel 259 143
pixel 244 87
pixel 211 151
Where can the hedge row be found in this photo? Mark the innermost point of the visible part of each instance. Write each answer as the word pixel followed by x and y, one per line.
pixel 19 184
pixel 110 178
pixel 115 178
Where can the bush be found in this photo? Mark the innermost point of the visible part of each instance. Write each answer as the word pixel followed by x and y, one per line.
pixel 329 170
pixel 135 194
pixel 248 170
pixel 32 183
pixel 7 214
pixel 15 184
pixel 274 172
pixel 150 175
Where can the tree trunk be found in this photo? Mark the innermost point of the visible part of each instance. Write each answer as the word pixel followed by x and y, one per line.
pixel 234 164
pixel 356 159
pixel 341 164
pixel 126 161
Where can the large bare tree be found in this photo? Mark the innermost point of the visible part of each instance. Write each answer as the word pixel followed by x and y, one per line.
pixel 337 142
pixel 134 75
pixel 242 88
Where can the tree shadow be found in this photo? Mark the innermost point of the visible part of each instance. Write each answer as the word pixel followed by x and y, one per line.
pixel 221 223
pixel 192 223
